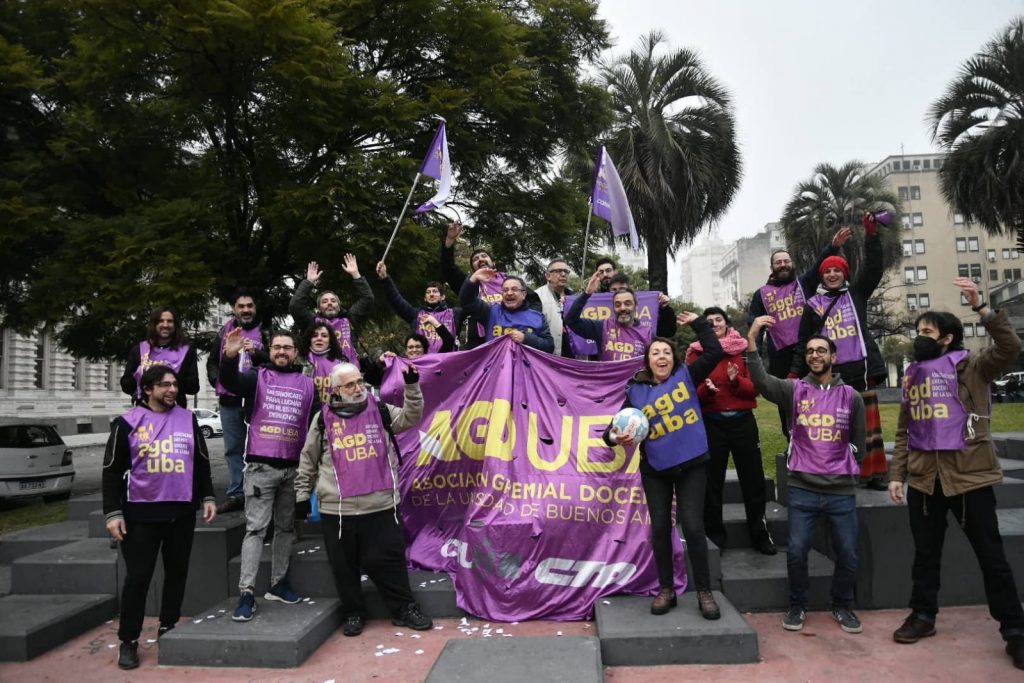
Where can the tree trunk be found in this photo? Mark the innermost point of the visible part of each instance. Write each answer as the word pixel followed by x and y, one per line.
pixel 657 260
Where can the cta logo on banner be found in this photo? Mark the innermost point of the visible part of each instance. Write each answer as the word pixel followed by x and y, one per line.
pixel 507 484
pixel 599 308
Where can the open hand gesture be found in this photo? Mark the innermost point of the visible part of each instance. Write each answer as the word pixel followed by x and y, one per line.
pixel 350 266
pixel 841 237
pixel 484 275
pixel 969 288
pixel 313 272
pixel 686 317
pixel 454 230
pixel 733 371
pixel 233 342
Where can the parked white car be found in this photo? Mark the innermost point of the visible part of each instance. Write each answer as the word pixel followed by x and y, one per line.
pixel 209 423
pixel 34 461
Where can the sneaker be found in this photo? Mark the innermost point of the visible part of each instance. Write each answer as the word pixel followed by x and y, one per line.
pixel 708 606
pixel 283 593
pixel 413 618
pixel 1015 648
pixel 246 607
pixel 128 655
pixel 794 619
pixel 162 631
pixel 848 621
pixel 232 504
pixel 914 628
pixel 353 626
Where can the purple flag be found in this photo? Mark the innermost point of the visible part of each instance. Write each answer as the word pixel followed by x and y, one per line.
pixel 507 485
pixel 609 199
pixel 437 165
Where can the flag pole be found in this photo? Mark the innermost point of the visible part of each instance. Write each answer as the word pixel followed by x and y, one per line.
pixel 401 216
pixel 586 239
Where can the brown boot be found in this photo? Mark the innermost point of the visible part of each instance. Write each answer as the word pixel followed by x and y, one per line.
pixel 708 606
pixel 664 601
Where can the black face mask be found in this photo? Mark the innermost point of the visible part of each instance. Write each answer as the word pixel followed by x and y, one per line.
pixel 926 348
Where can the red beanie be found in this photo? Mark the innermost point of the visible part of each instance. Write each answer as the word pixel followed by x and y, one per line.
pixel 835 262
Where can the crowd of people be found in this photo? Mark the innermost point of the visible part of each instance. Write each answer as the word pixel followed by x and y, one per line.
pixel 299 418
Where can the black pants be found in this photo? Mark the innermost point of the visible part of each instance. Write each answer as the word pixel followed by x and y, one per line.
pixel 373 544
pixel 688 485
pixel 740 437
pixel 779 365
pixel 976 513
pixel 140 546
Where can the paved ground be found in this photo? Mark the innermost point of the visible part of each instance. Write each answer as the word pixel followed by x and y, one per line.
pixel 967 648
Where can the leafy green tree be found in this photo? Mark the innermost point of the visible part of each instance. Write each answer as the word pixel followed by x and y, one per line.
pixel 674 144
pixel 165 153
pixel 979 120
pixel 835 197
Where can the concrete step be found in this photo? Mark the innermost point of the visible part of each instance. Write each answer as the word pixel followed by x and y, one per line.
pixel 29 541
pixel 33 624
pixel 88 566
pixel 631 636
pixel 714 565
pixel 738 533
pixel 1009 445
pixel 79 507
pixel 1009 493
pixel 310 575
pixel 733 494
pixel 515 660
pixel 5 579
pixel 759 583
pixel 279 635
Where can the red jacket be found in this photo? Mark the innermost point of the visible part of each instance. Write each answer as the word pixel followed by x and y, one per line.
pixel 738 394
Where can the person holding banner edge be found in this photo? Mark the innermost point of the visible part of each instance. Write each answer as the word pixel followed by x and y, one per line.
pixel 511 316
pixel 674 456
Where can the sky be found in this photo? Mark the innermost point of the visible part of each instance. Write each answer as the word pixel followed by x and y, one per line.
pixel 817 81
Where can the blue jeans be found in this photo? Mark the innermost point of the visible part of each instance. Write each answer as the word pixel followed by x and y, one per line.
pixel 234 427
pixel 805 507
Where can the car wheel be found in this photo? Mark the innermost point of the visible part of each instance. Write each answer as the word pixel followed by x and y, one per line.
pixel 207 432
pixel 57 497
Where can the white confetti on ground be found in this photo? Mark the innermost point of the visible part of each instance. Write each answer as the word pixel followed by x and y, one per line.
pixel 464 622
pixel 110 621
pixel 302 552
pixel 197 621
pixel 606 602
pixel 390 650
pixel 506 635
pixel 559 633
pixel 423 585
pixel 419 652
pixel 515 623
pixel 112 645
pixel 150 640
pixel 415 635
pixel 399 633
pixel 441 580
pixel 439 628
pixel 380 647
pixel 222 611
pixel 305 599
pixel 330 680
pixel 378 654
pixel 487 625
pixel 500 630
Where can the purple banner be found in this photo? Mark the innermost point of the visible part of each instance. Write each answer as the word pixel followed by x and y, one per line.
pixel 507 485
pixel 599 308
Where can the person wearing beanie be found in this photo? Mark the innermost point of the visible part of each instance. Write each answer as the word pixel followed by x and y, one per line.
pixel 838 310
pixel 727 400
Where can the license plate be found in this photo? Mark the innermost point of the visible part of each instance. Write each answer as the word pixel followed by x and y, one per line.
pixel 32 485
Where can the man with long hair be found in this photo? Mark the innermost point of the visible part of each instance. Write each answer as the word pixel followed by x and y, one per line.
pixel 164 344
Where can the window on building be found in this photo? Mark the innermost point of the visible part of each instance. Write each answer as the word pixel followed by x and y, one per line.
pixel 1006 254
pixel 904 193
pixel 961 244
pixel 972 244
pixel 76 368
pixel 1007 274
pixel 968 329
pixel 906 165
pixel 924 300
pixel 911 302
pixel 981 330
pixel 112 383
pixel 927 163
pixel 958 219
pixel 938 164
pixel 918 218
pixel 976 272
pixel 908 247
pixel 39 380
pixel 918 246
pixel 1014 254
pixel 1016 273
pixel 922 273
pixel 962 270
pixel 915 192
pixel 991 253
pixel 908 274
pixel 993 275
pixel 3 334
pixel 906 222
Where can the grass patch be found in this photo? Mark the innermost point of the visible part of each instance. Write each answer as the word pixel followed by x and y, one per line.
pixel 36 514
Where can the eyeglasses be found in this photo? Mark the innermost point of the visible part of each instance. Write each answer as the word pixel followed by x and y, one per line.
pixel 559 271
pixel 348 386
pixel 166 385
pixel 280 347
pixel 818 351
pixel 512 290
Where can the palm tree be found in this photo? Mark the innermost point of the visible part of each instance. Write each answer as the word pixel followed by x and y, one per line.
pixel 674 144
pixel 833 198
pixel 980 122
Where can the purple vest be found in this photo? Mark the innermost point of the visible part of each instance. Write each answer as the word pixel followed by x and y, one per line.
pixel 842 326
pixel 820 430
pixel 320 371
pixel 503 320
pixel 359 451
pixel 342 327
pixel 931 397
pixel 163 451
pixel 490 292
pixel 255 335
pixel 280 415
pixel 677 427
pixel 445 316
pixel 150 355
pixel 621 342
pixel 786 305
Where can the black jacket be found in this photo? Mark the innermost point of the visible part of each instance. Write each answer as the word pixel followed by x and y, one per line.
pixel 304 318
pixel 258 357
pixel 188 378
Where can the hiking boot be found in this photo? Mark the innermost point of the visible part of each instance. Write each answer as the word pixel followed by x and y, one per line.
pixel 246 607
pixel 914 628
pixel 282 592
pixel 232 504
pixel 795 618
pixel 353 626
pixel 663 601
pixel 128 655
pixel 708 606
pixel 764 545
pixel 1015 648
pixel 413 618
pixel 848 621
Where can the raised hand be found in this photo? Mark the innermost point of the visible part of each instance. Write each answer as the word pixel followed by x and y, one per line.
pixel 732 371
pixel 969 289
pixel 432 321
pixel 233 342
pixel 686 317
pixel 593 283
pixel 350 266
pixel 313 272
pixel 454 230
pixel 382 270
pixel 841 237
pixel 663 300
pixel 484 275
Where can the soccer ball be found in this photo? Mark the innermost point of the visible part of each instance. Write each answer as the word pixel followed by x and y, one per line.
pixel 632 421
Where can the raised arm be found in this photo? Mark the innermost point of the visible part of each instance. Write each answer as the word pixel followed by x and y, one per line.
pixel 778 391
pixel 403 308
pixel 364 302
pixel 704 364
pixel 450 272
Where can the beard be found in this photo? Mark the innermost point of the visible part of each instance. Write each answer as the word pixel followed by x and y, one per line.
pixel 783 276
